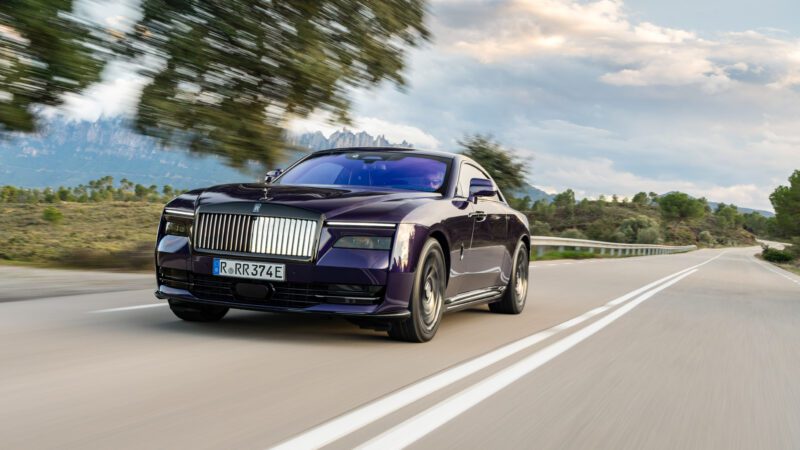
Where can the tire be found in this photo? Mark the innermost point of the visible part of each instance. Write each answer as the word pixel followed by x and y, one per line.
pixel 513 301
pixel 427 297
pixel 197 312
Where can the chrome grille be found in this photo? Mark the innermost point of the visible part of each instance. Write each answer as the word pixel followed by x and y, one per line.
pixel 256 234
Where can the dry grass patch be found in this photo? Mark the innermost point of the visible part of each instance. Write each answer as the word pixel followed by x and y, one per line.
pixel 94 235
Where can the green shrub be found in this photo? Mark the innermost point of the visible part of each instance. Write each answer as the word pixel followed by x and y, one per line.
pixel 52 215
pixel 648 236
pixel 777 256
pixel 567 254
pixel 573 233
pixel 706 237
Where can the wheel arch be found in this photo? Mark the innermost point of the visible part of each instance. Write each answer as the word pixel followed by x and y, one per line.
pixel 445 244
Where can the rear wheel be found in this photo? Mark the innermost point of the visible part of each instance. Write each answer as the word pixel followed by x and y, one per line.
pixel 197 312
pixel 427 298
pixel 513 301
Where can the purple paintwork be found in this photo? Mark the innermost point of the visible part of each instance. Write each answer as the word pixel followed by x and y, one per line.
pixel 478 237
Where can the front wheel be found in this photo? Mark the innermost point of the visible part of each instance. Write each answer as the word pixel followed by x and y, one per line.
pixel 427 298
pixel 513 301
pixel 197 312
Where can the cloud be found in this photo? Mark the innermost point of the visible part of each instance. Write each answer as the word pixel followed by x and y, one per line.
pixel 117 95
pixel 595 99
pixel 635 53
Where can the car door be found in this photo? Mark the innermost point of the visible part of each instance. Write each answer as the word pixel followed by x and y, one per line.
pixel 483 260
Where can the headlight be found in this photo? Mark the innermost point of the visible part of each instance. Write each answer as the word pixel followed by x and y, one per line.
pixel 364 242
pixel 401 253
pixel 178 228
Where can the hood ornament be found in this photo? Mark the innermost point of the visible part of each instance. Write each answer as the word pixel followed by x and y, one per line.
pixel 265 197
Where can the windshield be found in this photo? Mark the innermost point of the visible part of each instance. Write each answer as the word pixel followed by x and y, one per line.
pixel 392 170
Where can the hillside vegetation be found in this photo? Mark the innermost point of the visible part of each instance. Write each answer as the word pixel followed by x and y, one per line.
pixel 94 235
pixel 674 219
pixel 98 225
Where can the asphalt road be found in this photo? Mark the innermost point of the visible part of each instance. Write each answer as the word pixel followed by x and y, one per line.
pixel 698 350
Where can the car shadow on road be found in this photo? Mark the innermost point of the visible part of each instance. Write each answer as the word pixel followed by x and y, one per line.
pixel 260 326
pixel 270 327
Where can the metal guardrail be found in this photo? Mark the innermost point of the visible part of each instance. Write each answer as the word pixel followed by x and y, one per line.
pixel 539 244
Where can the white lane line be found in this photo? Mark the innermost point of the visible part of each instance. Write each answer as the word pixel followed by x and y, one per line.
pixel 128 308
pixel 358 418
pixel 777 271
pixel 429 420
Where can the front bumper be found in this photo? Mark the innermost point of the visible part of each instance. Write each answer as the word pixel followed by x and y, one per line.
pixel 165 293
pixel 322 287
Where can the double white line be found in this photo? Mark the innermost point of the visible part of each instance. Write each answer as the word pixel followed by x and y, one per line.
pixel 423 423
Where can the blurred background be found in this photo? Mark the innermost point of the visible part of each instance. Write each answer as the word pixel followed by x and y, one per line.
pixel 608 120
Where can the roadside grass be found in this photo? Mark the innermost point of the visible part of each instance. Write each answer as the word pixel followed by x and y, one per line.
pixel 108 235
pixel 793 266
pixel 567 254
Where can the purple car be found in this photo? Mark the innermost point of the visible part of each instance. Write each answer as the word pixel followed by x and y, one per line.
pixel 387 238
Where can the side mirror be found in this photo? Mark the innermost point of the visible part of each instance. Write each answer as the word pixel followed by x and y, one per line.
pixel 271 175
pixel 480 187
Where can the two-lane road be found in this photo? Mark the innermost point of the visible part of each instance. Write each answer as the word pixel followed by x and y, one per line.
pixel 696 350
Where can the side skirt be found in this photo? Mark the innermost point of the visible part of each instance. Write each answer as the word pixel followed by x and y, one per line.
pixel 472 298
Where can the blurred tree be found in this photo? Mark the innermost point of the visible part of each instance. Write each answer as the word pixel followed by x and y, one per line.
pixel 756 224
pixel 786 201
pixel 573 233
pixel 728 217
pixel 680 206
pixel 706 237
pixel 44 53
pixel 632 227
pixel 648 236
pixel 641 199
pixel 506 170
pixel 231 73
pixel 225 75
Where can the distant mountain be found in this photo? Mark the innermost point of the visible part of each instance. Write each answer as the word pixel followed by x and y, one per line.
pixel 764 213
pixel 534 193
pixel 68 153
pixel 340 139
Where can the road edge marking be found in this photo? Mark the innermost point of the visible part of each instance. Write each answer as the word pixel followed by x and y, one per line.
pixel 422 424
pixel 361 416
pixel 127 308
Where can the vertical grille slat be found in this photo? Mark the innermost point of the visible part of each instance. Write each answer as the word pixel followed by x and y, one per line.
pixel 242 233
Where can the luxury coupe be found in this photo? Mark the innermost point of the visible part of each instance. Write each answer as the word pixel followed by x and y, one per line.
pixel 388 238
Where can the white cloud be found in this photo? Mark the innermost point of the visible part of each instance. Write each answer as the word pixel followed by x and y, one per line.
pixel 636 53
pixel 600 176
pixel 117 95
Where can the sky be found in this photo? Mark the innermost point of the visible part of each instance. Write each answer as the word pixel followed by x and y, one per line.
pixel 604 97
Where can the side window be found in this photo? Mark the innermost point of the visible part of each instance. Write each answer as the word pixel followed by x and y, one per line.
pixel 468 172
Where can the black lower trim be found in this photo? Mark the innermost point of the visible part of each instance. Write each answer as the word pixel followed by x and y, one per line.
pixel 472 298
pixel 399 315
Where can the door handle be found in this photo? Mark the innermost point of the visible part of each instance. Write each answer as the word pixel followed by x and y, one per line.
pixel 479 216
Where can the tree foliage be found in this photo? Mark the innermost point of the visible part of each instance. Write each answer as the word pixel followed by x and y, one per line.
pixel 680 206
pixel 100 190
pixel 44 54
pixel 786 201
pixel 504 167
pixel 225 75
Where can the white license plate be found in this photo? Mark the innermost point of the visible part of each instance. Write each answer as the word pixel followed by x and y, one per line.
pixel 249 269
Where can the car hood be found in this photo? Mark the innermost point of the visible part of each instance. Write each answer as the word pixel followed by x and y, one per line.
pixel 334 203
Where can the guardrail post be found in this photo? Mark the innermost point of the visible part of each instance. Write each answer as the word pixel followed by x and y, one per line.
pixel 539 251
pixel 561 248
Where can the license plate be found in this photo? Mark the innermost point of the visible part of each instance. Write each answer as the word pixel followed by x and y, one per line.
pixel 249 269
